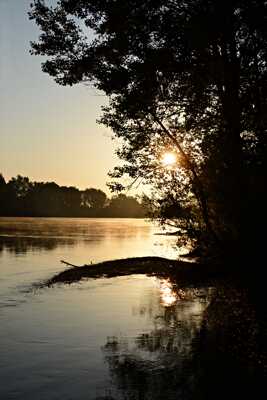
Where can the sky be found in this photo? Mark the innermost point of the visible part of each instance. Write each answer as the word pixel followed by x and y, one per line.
pixel 47 132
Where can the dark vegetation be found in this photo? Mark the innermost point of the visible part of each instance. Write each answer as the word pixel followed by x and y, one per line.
pixel 21 197
pixel 185 76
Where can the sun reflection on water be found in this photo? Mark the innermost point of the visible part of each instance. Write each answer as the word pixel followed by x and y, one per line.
pixel 167 295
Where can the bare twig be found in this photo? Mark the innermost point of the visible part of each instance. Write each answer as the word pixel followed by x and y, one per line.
pixel 71 265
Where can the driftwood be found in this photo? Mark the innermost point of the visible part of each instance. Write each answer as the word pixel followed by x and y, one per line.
pixel 183 271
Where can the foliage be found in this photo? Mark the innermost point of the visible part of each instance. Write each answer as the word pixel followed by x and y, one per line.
pixel 121 205
pixel 187 76
pixel 94 198
pixel 21 197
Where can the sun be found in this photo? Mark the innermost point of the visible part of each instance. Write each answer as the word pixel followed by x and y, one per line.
pixel 168 159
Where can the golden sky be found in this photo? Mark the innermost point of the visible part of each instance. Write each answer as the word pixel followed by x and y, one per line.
pixel 47 132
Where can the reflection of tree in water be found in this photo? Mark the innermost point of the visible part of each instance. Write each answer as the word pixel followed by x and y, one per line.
pixel 22 245
pixel 216 350
pixel 231 357
pixel 158 364
pixel 28 234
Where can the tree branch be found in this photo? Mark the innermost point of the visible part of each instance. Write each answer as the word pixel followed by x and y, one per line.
pixel 196 182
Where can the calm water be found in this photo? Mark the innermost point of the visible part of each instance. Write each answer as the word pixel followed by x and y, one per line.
pixel 120 338
pixel 31 248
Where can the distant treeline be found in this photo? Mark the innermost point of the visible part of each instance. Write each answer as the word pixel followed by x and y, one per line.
pixel 21 197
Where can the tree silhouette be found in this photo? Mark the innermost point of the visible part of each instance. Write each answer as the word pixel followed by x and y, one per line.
pixel 185 75
pixel 123 205
pixel 2 181
pixel 94 198
pixel 21 197
pixel 3 194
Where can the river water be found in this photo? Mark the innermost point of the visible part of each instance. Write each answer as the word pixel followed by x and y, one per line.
pixel 31 248
pixel 120 338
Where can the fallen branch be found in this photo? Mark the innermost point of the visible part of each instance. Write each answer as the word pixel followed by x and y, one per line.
pixel 71 265
pixel 186 272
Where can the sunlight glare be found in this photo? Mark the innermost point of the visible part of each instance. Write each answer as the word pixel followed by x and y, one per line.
pixel 169 159
pixel 167 295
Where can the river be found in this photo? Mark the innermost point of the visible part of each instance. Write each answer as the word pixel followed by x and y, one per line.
pixel 120 338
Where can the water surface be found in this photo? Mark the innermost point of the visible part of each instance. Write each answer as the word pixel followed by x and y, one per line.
pixel 31 248
pixel 82 341
pixel 134 337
